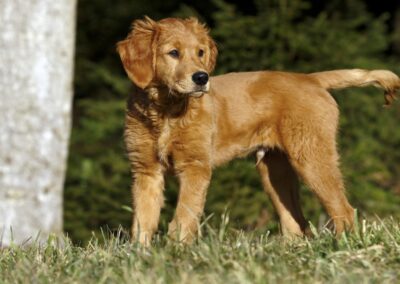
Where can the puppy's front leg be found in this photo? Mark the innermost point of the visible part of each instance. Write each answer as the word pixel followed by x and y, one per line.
pixel 147 191
pixel 194 180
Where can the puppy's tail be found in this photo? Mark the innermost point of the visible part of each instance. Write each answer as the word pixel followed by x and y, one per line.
pixel 339 79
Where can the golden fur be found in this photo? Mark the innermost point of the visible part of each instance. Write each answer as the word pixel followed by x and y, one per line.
pixel 290 120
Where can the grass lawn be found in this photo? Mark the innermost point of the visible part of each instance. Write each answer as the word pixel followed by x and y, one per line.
pixel 369 255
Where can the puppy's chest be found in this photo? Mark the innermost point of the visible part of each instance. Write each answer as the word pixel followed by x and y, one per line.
pixel 169 139
pixel 181 136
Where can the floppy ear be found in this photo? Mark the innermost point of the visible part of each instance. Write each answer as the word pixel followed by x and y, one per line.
pixel 212 59
pixel 137 52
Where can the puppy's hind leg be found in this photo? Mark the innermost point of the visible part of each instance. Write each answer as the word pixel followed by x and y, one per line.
pixel 281 184
pixel 325 180
pixel 315 159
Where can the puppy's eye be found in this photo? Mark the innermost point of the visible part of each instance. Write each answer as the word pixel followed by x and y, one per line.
pixel 174 53
pixel 201 53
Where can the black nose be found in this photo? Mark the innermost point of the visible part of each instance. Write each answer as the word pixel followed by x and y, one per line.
pixel 200 78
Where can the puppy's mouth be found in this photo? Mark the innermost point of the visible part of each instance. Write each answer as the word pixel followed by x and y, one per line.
pixel 198 93
pixel 195 91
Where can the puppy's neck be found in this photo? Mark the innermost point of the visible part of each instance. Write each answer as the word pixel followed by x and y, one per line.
pixel 162 101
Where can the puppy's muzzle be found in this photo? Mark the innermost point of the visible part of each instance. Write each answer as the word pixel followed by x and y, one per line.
pixel 200 78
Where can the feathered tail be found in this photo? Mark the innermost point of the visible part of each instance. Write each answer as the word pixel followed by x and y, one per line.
pixel 339 79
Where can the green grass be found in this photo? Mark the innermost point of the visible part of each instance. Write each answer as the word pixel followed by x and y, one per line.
pixel 369 255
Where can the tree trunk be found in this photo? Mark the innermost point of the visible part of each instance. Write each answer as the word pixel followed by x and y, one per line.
pixel 36 67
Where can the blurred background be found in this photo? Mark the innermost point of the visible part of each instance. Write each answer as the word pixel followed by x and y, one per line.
pixel 292 35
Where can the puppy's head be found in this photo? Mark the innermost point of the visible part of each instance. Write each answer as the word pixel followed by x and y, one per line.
pixel 174 53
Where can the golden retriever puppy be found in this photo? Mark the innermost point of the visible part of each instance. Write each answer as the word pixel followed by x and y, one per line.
pixel 182 119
